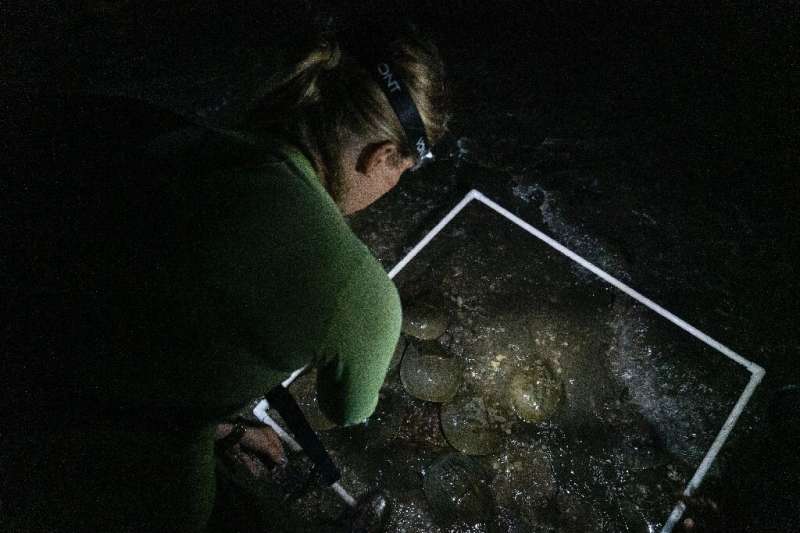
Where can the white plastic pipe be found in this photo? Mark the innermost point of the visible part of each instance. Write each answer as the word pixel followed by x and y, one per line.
pixel 431 234
pixel 260 412
pixel 711 454
pixel 343 494
pixel 293 376
pixel 756 371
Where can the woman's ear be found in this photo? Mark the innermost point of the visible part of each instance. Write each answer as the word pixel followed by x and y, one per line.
pixel 383 158
pixel 378 168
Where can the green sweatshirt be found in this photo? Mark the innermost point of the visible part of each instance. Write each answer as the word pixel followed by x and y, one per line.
pixel 267 278
pixel 304 288
pixel 250 274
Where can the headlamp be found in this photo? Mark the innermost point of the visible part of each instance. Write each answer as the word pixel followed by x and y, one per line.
pixel 423 161
pixel 396 91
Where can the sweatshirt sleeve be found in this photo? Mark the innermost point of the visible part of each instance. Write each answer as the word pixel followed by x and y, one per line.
pixel 292 285
pixel 359 344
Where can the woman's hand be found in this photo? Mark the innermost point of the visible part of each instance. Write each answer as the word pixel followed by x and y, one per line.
pixel 256 448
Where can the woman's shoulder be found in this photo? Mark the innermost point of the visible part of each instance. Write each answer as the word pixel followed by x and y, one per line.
pixel 274 208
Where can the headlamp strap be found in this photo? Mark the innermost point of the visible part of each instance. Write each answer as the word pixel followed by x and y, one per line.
pixel 396 91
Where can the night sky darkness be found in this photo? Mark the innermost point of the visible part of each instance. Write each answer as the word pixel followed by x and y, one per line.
pixel 665 138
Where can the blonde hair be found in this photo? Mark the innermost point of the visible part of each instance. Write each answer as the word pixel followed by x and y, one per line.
pixel 328 98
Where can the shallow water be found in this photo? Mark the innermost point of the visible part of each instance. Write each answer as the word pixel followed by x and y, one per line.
pixel 609 449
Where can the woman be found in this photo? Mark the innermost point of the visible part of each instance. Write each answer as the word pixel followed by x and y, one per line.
pixel 197 281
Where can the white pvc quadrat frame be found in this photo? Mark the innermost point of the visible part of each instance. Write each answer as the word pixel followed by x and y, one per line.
pixel 756 372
